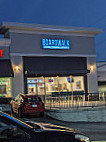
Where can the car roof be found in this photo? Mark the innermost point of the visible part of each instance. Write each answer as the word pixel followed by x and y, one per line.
pixel 15 121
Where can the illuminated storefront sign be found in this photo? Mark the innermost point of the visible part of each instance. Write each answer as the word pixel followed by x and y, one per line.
pixel 1 53
pixel 35 81
pixel 50 80
pixel 2 82
pixel 55 44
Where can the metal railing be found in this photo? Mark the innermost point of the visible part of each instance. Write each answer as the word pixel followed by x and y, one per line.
pixel 77 101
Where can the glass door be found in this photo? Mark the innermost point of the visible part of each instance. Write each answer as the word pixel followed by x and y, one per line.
pixel 36 85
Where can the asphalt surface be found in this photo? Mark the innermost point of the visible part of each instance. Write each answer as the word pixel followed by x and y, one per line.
pixel 95 131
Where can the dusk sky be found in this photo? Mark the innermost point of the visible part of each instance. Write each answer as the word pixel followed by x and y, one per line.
pixel 79 13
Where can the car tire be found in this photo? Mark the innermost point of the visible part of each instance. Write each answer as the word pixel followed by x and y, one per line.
pixel 20 114
pixel 41 114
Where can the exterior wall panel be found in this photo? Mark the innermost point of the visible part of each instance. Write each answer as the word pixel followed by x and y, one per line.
pixel 18 80
pixel 31 44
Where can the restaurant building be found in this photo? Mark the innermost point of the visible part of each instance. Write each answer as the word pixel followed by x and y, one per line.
pixel 47 59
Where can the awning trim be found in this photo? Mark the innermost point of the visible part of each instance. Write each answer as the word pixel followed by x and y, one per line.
pixel 6 68
pixel 53 66
pixel 57 73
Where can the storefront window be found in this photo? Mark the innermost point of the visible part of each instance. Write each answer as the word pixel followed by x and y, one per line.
pixel 40 85
pixel 6 87
pixel 62 84
pixel 36 85
pixel 52 84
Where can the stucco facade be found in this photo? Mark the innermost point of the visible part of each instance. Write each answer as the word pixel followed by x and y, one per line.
pixel 26 42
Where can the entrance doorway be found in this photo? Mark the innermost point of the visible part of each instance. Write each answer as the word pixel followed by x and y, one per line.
pixel 36 85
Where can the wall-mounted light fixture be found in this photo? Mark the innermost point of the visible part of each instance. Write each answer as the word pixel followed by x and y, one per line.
pixel 92 68
pixel 26 72
pixel 17 68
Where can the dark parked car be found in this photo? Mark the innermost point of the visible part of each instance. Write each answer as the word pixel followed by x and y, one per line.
pixel 14 130
pixel 5 105
pixel 28 104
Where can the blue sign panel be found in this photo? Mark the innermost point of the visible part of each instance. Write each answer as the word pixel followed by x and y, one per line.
pixel 55 44
pixel 70 79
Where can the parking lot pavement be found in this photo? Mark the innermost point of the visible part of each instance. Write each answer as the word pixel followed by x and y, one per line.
pixel 95 131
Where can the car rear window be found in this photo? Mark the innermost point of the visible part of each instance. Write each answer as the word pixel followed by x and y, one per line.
pixel 32 100
pixel 4 101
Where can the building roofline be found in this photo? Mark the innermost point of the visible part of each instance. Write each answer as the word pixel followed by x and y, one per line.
pixel 48 28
